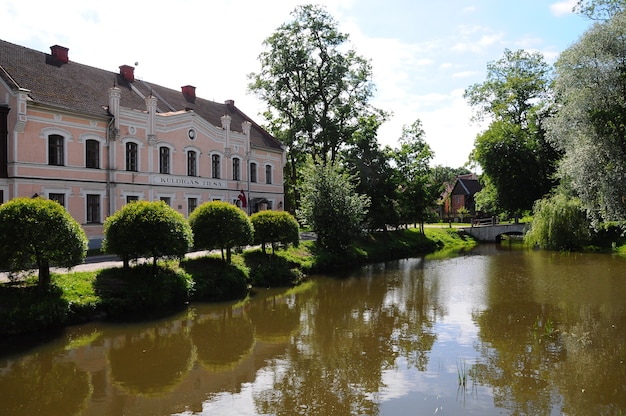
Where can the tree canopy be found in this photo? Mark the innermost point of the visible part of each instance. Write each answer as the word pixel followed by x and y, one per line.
pixel 316 89
pixel 513 151
pixel 417 191
pixel 559 223
pixel 590 121
pixel 599 9
pixel 150 229
pixel 275 227
pixel 315 86
pixel 332 208
pixel 220 225
pixel 374 174
pixel 35 233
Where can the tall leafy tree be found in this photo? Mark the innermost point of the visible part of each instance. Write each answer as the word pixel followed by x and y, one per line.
pixel 371 165
pixel 446 174
pixel 35 233
pixel 417 191
pixel 513 152
pixel 590 121
pixel 315 87
pixel 332 207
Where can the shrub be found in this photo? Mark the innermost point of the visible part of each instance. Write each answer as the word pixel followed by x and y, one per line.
pixel 220 225
pixel 214 280
pixel 36 232
pixel 275 227
pixel 150 229
pixel 272 271
pixel 332 208
pixel 559 223
pixel 125 291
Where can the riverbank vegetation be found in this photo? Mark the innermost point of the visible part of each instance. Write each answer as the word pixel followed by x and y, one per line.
pixel 556 142
pixel 141 289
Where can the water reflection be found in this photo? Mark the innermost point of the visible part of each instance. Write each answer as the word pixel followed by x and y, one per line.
pixel 222 337
pixel 39 385
pixel 494 331
pixel 553 335
pixel 353 329
pixel 151 361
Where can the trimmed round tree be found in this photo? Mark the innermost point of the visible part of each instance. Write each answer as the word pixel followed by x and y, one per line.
pixel 275 227
pixel 220 225
pixel 35 233
pixel 147 229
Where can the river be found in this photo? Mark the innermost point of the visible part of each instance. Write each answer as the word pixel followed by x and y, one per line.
pixel 495 331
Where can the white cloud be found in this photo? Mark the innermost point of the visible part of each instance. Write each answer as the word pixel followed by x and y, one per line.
pixel 563 7
pixel 447 125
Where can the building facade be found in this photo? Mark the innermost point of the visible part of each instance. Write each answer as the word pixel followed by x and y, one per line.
pixel 461 195
pixel 95 140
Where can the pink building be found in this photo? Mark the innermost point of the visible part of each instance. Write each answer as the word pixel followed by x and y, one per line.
pixel 94 140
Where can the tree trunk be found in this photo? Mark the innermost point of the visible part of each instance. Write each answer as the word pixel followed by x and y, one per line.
pixel 228 256
pixel 44 274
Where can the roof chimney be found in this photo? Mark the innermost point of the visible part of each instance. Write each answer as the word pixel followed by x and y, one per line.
pixel 189 92
pixel 229 102
pixel 60 53
pixel 128 72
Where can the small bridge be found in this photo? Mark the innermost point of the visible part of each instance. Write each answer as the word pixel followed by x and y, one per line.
pixel 494 233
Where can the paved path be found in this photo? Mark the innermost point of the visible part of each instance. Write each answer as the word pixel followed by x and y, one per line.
pixel 98 262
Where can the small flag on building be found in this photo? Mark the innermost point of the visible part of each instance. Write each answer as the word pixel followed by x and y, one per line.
pixel 242 198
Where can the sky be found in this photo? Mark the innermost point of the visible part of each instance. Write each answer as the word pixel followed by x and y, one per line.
pixel 424 53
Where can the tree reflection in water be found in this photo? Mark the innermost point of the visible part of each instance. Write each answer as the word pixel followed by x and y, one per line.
pixel 353 329
pixel 39 387
pixel 540 334
pixel 223 338
pixel 152 361
pixel 554 335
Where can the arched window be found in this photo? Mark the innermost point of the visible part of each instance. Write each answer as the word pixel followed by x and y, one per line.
pixel 192 163
pixel 268 174
pixel 56 150
pixel 164 160
pixel 215 166
pixel 92 154
pixel 236 169
pixel 252 172
pixel 131 157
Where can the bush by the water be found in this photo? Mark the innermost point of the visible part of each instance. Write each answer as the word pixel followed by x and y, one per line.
pixel 559 223
pixel 142 288
pixel 272 270
pixel 215 280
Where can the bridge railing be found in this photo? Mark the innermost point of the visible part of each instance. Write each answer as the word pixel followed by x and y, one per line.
pixel 484 221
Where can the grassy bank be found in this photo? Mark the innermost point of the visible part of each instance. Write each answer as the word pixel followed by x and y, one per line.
pixel 114 293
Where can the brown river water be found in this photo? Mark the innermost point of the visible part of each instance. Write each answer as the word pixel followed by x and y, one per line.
pixel 496 331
